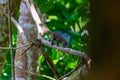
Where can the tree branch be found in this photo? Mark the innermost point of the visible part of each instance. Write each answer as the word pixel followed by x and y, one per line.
pixel 17 47
pixel 70 72
pixel 67 50
pixel 19 29
pixel 49 62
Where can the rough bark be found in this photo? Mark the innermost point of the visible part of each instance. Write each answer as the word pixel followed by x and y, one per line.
pixel 28 60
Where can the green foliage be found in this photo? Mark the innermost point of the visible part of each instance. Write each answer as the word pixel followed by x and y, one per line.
pixel 6 72
pixel 70 16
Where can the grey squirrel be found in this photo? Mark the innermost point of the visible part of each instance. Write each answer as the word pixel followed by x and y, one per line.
pixel 57 37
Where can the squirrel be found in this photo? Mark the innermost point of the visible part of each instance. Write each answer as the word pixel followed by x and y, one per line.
pixel 56 36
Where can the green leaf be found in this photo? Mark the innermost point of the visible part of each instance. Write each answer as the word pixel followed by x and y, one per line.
pixel 72 64
pixel 56 54
pixel 79 1
pixel 55 61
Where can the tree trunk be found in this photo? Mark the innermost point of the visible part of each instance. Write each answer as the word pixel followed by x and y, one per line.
pixel 27 60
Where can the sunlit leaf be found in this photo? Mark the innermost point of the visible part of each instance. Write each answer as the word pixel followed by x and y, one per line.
pixel 72 64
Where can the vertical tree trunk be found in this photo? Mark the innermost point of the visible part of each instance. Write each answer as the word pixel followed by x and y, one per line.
pixel 105 39
pixel 27 61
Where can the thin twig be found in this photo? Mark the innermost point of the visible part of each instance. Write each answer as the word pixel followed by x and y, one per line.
pixel 21 31
pixel 70 72
pixel 17 47
pixel 27 49
pixel 10 40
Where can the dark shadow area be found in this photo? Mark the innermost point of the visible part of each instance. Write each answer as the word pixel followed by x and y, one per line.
pixel 104 30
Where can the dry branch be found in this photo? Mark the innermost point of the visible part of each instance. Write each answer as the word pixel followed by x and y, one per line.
pixel 51 64
pixel 67 50
pixel 19 29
